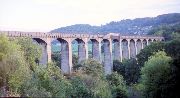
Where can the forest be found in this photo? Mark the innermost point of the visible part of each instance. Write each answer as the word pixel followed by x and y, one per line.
pixel 154 73
pixel 136 26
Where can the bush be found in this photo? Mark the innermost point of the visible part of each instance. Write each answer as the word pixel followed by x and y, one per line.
pixel 117 84
pixel 119 67
pixel 156 76
pixel 78 88
pixel 145 53
pixel 132 71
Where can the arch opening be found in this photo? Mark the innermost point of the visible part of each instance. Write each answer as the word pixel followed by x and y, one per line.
pixel 139 45
pixel 60 53
pixel 116 49
pixel 132 49
pixel 93 49
pixel 144 43
pixel 79 49
pixel 125 53
pixel 44 56
pixel 150 41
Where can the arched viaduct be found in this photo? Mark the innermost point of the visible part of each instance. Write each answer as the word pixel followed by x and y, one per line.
pixel 125 47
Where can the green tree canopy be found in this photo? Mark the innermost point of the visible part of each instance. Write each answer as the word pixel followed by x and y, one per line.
pixel 156 76
pixel 145 53
pixel 13 67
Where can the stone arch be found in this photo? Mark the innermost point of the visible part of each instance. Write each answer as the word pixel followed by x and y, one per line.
pixel 61 40
pixel 132 48
pixel 94 49
pixel 44 57
pixel 103 41
pixel 144 43
pixel 125 52
pixel 116 49
pixel 150 41
pixel 79 46
pixel 78 40
pixel 39 40
pixel 139 45
pixel 65 54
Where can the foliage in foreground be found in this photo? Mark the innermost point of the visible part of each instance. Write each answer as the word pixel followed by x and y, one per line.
pixel 118 85
pixel 19 78
pixel 156 76
pixel 20 75
pixel 129 69
pixel 13 67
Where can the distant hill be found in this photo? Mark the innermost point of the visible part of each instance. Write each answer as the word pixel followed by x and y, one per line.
pixel 136 26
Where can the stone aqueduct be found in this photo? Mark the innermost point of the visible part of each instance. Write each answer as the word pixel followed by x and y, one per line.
pixel 124 46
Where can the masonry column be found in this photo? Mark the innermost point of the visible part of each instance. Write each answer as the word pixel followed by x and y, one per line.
pixel 81 51
pixel 132 46
pixel 111 60
pixel 129 52
pixel 65 57
pixel 125 51
pixel 138 45
pixel 86 48
pixel 44 57
pixel 142 44
pixel 116 50
pixel 48 50
pixel 95 50
pixel 135 40
pixel 147 42
pixel 100 59
pixel 120 44
pixel 107 57
pixel 70 55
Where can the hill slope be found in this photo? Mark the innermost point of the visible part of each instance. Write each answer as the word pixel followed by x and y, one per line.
pixel 127 26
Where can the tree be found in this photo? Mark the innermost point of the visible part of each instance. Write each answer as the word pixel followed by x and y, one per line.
pixel 48 82
pixel 92 75
pixel 129 69
pixel 172 49
pixel 119 67
pixel 78 88
pixel 145 53
pixel 132 71
pixel 91 67
pixel 156 75
pixel 13 67
pixel 32 52
pixel 56 57
pixel 117 84
pixel 169 32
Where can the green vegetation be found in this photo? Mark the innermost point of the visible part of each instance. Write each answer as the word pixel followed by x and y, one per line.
pixel 118 86
pixel 145 53
pixel 169 31
pixel 22 76
pixel 129 69
pixel 154 73
pixel 127 26
pixel 156 76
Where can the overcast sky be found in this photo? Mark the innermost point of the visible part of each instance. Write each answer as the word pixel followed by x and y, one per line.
pixel 46 15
